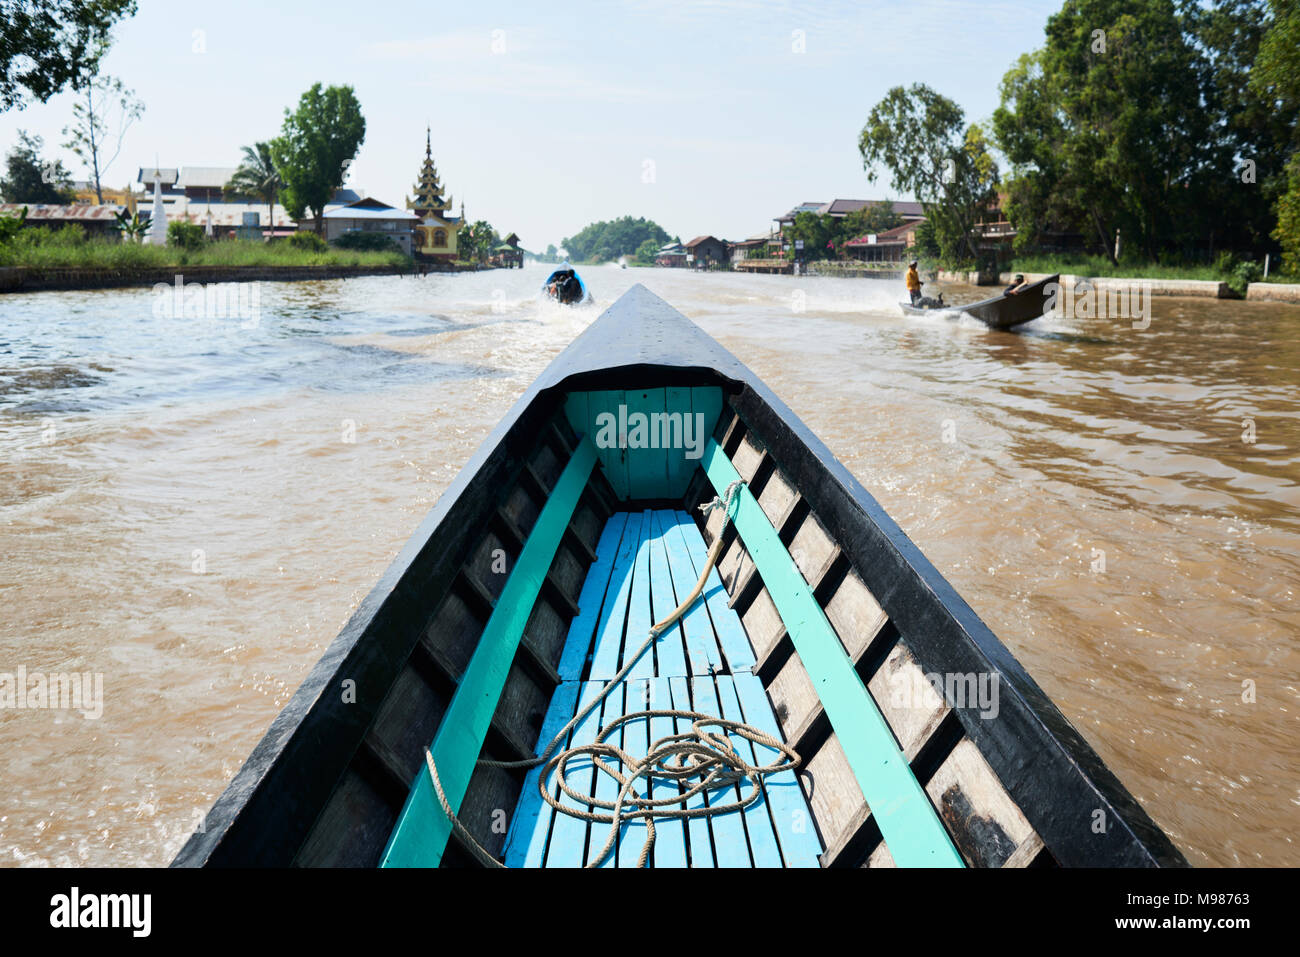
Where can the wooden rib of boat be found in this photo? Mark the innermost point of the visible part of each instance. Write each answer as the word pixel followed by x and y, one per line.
pixel 1003 311
pixel 545 562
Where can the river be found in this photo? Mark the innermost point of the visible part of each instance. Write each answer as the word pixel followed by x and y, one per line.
pixel 193 507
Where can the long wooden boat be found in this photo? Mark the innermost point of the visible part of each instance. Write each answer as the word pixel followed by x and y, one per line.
pixel 543 565
pixel 1003 311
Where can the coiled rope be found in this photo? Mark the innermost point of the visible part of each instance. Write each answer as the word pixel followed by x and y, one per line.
pixel 677 759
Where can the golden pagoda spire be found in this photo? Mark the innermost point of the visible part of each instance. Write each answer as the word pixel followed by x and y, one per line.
pixel 428 190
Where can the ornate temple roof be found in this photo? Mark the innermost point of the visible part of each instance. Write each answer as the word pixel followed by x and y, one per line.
pixel 428 191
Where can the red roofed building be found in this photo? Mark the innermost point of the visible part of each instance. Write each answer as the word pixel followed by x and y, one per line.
pixel 889 246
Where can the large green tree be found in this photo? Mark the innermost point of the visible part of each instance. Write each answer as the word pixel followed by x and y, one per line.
pixel 1106 127
pixel 1276 80
pixel 47 45
pixel 1252 116
pixel 922 139
pixel 258 177
pixel 317 143
pixel 31 179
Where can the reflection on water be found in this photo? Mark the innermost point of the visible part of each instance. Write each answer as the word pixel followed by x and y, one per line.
pixel 192 508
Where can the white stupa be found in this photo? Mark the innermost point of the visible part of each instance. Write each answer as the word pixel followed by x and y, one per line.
pixel 158 218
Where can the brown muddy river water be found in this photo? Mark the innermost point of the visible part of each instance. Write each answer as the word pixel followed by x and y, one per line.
pixel 193 507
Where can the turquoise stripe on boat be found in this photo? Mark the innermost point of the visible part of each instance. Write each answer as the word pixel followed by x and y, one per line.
pixel 422 830
pixel 912 830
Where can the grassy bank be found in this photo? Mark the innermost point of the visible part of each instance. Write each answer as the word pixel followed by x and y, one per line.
pixel 50 253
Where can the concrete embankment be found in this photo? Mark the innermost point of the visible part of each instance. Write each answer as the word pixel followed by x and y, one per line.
pixel 1198 288
pixel 35 279
pixel 1274 292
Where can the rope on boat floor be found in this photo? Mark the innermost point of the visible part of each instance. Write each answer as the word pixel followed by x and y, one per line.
pixel 675 760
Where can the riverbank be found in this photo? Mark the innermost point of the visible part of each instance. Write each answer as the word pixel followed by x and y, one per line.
pixel 42 278
pixel 1195 288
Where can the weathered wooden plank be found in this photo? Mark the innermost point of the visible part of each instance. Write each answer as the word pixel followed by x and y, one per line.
pixel 701 643
pixel 790 814
pixel 422 829
pixel 530 828
pixel 698 838
pixel 669 650
pixel 569 834
pixel 670 834
pixel 984 822
pixel 915 835
pixel 758 821
pixel 582 629
pixel 613 616
pixel 907 700
pixel 855 614
pixel 794 698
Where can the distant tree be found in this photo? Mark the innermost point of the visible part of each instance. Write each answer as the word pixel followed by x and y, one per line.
pixel 476 241
pixel 603 241
pixel 11 226
pixel 132 227
pixel 316 145
pixel 101 115
pixel 30 179
pixel 551 255
pixel 46 46
pixel 645 253
pixel 921 138
pixel 257 176
pixel 877 218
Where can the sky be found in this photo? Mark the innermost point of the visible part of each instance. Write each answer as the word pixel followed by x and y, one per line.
pixel 707 116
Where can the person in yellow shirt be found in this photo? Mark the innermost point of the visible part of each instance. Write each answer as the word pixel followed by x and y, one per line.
pixel 913 283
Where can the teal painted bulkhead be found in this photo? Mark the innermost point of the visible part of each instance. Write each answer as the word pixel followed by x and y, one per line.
pixel 649 442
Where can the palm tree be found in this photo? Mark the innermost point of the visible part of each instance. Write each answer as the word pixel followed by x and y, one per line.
pixel 257 176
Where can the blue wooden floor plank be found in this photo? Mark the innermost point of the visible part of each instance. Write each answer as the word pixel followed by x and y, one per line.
pixel 638 609
pixel 613 616
pixel 758 822
pixel 730 845
pixel 582 630
pixel 569 834
pixel 790 815
pixel 636 742
pixel 699 840
pixel 726 623
pixel 606 786
pixel 701 642
pixel 531 827
pixel 670 834
pixel 670 653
